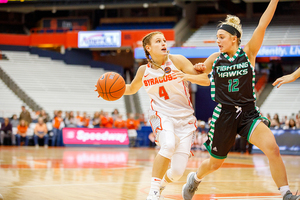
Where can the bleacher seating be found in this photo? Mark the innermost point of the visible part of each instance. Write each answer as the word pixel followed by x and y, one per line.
pixel 130 26
pixel 284 100
pixel 55 85
pixel 139 22
pixel 9 103
pixel 281 31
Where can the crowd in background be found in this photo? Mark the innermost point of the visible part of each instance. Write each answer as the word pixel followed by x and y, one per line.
pixel 16 128
pixel 42 124
pixel 286 122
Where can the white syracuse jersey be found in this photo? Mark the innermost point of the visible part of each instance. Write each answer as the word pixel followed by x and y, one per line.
pixel 169 95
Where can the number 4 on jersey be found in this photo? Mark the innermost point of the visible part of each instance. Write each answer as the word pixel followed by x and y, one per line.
pixel 163 93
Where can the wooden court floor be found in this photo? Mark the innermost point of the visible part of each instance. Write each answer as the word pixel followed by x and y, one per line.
pixel 27 173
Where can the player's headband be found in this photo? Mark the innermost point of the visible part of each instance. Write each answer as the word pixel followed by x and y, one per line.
pixel 230 29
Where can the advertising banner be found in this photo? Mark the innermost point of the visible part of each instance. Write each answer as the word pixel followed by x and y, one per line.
pixel 287 140
pixel 99 39
pixel 95 136
pixel 204 52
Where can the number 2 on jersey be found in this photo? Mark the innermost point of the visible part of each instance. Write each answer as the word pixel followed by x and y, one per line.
pixel 233 83
pixel 163 93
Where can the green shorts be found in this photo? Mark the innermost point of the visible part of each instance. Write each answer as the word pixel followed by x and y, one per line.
pixel 227 122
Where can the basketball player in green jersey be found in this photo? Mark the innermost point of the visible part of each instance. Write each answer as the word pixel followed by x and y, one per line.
pixel 232 87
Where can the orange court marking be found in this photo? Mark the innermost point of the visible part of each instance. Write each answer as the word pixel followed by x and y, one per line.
pixel 236 196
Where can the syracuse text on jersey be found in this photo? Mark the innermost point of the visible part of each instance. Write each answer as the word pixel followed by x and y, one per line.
pixel 158 80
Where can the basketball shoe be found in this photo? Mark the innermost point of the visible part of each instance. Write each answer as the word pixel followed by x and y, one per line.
pixel 189 189
pixel 155 197
pixel 289 196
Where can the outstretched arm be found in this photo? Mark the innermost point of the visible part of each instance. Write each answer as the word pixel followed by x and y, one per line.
pixel 287 78
pixel 136 83
pixel 253 46
pixel 186 71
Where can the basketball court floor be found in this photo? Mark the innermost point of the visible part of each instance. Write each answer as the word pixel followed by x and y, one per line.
pixel 28 173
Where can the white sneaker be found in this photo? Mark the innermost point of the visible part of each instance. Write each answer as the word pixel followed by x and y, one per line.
pixel 1 197
pixel 37 146
pixel 155 197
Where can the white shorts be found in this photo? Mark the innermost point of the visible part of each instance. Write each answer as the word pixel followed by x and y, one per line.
pixel 173 134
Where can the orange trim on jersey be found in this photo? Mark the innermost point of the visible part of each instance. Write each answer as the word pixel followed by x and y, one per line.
pixel 195 124
pixel 190 104
pixel 151 104
pixel 155 131
pixel 159 123
pixel 160 126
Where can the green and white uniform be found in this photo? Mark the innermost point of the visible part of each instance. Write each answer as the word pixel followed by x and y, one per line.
pixel 232 87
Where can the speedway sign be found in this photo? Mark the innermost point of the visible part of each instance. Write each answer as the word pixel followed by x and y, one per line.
pixel 99 39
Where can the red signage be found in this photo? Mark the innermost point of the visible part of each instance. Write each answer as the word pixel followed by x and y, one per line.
pixel 95 136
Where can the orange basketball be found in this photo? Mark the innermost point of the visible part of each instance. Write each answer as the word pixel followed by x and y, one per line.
pixel 111 86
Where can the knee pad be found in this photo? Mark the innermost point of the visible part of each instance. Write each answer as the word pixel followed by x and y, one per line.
pixel 174 174
pixel 167 144
pixel 167 149
pixel 178 165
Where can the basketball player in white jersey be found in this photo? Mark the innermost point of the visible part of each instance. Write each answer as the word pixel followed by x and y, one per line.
pixel 171 112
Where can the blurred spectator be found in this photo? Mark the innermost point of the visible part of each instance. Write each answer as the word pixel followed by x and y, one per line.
pixel 14 121
pixel 78 119
pixel 119 122
pixel 115 114
pixel 297 121
pixel 208 123
pixel 70 121
pixel 101 113
pixel 275 122
pixel 40 131
pixel 25 115
pixel 85 120
pixel 201 126
pixel 132 126
pixel 44 115
pixel 283 121
pixel 6 130
pixel 66 116
pixel 269 117
pixel 22 133
pixel 142 119
pixel 290 124
pixel 34 115
pixel 201 135
pixel 55 113
pixel 106 121
pixel 57 126
pixel 96 120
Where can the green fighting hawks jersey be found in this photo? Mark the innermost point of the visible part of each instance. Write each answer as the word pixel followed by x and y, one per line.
pixel 233 79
